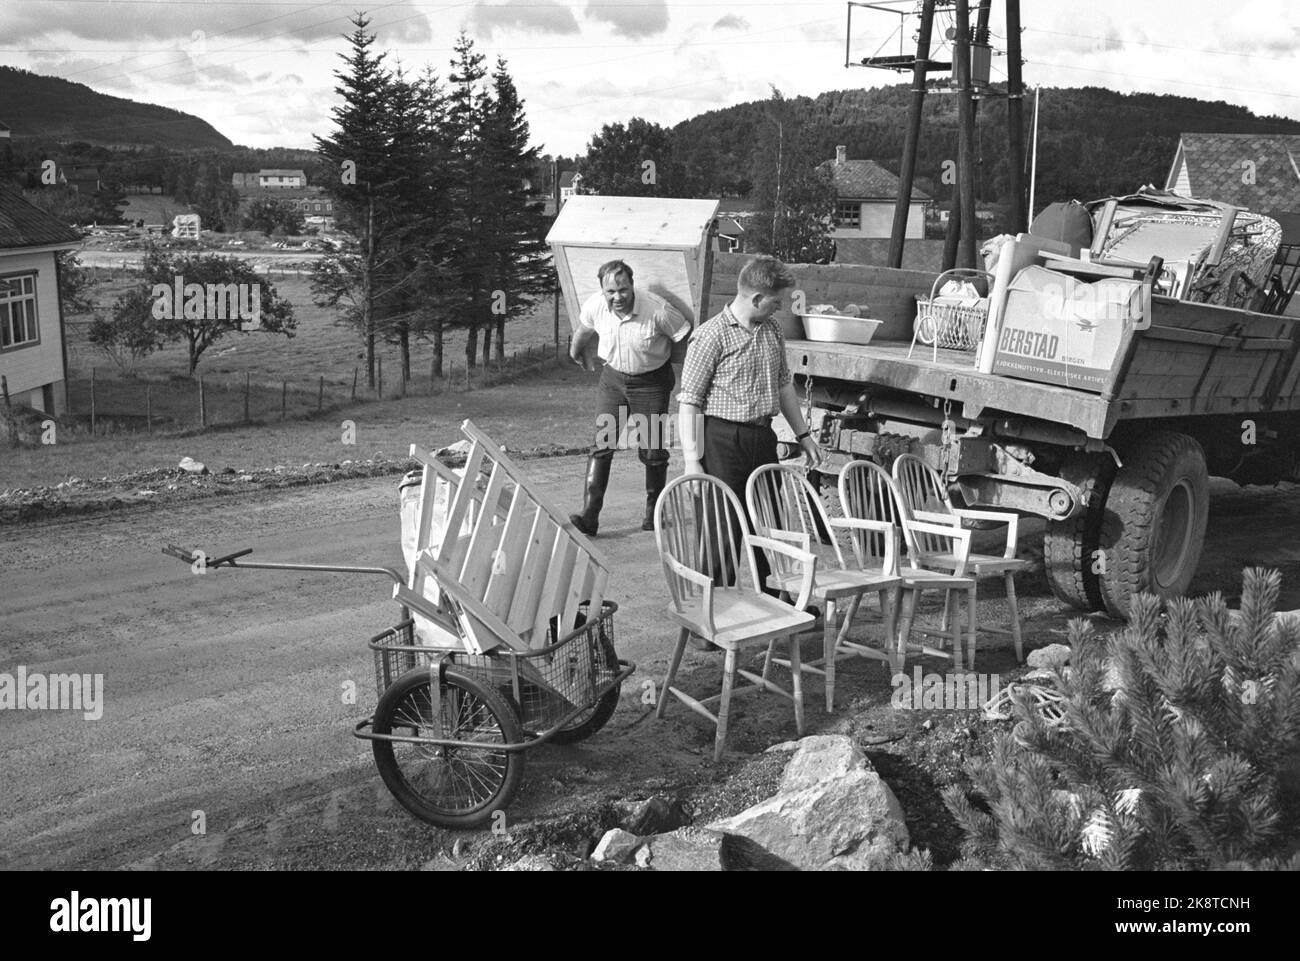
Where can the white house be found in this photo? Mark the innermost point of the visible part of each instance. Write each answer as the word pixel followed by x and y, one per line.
pixel 569 181
pixel 33 358
pixel 865 194
pixel 281 178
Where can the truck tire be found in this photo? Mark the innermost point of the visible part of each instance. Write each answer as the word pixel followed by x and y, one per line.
pixel 1070 547
pixel 1154 525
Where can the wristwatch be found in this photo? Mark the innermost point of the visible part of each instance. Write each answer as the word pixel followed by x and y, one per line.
pixel 806 433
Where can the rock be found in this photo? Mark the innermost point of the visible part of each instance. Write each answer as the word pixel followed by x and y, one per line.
pixel 832 811
pixel 617 846
pixel 656 815
pixel 460 447
pixel 530 862
pixel 190 465
pixel 783 748
pixel 686 849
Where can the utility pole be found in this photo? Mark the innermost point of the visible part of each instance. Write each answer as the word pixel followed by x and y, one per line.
pixel 907 174
pixel 1015 121
pixel 965 135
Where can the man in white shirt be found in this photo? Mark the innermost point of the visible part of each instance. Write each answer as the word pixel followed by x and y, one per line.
pixel 637 332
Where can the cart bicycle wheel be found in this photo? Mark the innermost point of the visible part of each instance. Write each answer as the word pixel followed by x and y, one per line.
pixel 454 787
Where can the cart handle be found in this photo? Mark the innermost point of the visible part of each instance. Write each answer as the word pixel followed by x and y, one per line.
pixel 231 560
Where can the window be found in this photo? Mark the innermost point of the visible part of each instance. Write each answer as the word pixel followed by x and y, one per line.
pixel 18 312
pixel 848 215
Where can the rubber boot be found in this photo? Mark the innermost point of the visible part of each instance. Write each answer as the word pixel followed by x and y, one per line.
pixel 594 495
pixel 656 477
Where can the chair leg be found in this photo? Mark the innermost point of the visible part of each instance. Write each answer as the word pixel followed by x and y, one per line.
pixel 947 611
pixel 830 641
pixel 1015 617
pixel 796 670
pixel 905 632
pixel 724 706
pixel 682 635
pixel 891 624
pixel 970 636
pixel 767 662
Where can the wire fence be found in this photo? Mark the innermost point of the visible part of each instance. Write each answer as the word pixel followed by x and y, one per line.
pixel 106 403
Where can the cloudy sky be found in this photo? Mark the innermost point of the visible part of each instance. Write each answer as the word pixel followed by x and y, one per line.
pixel 261 72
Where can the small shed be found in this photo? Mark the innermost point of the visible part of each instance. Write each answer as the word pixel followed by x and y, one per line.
pixel 664 241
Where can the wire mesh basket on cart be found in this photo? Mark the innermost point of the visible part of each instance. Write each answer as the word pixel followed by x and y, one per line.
pixel 951 326
pixel 552 688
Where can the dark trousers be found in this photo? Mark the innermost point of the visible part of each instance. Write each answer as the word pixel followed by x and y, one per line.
pixel 639 399
pixel 731 452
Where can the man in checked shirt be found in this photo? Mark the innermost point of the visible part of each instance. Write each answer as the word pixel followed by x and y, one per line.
pixel 735 380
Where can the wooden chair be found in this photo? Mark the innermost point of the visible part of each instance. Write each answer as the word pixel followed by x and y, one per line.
pixel 924 497
pixel 874 515
pixel 702 536
pixel 784 506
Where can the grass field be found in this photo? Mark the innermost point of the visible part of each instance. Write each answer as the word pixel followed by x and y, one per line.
pixel 543 403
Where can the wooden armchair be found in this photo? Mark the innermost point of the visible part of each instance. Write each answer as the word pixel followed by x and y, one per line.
pixel 785 507
pixel 703 536
pixel 924 497
pixel 875 515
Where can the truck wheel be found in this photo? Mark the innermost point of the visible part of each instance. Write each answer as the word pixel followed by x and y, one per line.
pixel 1154 526
pixel 1070 546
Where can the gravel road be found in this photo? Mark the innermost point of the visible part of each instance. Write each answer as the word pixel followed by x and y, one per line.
pixel 224 693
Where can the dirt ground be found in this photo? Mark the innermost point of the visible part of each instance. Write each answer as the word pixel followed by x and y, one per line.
pixel 226 693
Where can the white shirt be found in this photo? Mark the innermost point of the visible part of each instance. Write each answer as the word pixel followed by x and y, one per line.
pixel 640 342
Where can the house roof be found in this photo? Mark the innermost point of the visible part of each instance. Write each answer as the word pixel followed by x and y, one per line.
pixel 732 206
pixel 566 178
pixel 866 180
pixel 730 227
pixel 25 225
pixel 1216 170
pixel 282 173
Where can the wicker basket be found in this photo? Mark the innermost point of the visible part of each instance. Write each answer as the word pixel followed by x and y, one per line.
pixel 951 326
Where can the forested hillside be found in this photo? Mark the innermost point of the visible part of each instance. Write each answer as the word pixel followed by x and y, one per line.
pixel 52 109
pixel 1092 141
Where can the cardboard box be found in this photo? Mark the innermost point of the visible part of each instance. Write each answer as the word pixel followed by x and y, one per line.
pixel 1058 329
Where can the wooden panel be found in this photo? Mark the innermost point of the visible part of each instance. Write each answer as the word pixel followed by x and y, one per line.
pixel 514 545
pixel 452 550
pixel 541 546
pixel 579 586
pixel 481 552
pixel 599 221
pixel 554 587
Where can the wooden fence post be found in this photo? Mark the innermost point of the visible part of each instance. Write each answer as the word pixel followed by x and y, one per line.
pixel 320 395
pixel 431 372
pixel 92 401
pixel 203 404
pixel 284 398
pixel 247 388
pixel 355 371
pixel 4 388
pixel 148 409
pixel 379 377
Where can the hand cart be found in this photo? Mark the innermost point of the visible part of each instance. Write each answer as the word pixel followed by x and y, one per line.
pixel 508 657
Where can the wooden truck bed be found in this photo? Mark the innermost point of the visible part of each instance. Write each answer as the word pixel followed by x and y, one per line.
pixel 1195 359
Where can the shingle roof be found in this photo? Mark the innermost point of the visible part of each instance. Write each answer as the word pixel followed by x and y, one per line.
pixel 566 178
pixel 866 180
pixel 26 225
pixel 1215 168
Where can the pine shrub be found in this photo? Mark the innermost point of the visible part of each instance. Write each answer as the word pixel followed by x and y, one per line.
pixel 1177 749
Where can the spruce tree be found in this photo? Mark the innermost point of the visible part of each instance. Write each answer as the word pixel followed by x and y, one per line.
pixel 466 110
pixel 360 181
pixel 516 224
pixel 1178 738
